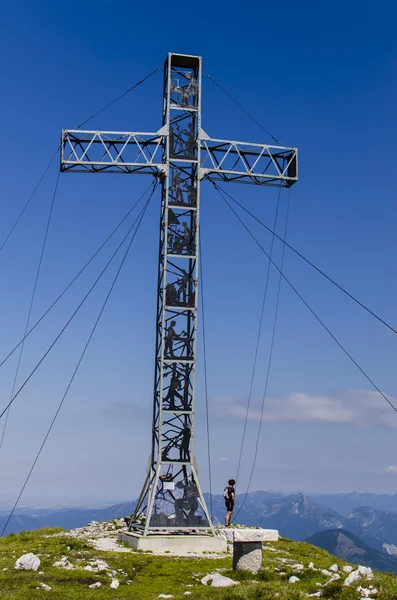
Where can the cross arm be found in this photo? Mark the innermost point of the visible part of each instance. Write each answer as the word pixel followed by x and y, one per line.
pixel 243 162
pixel 112 151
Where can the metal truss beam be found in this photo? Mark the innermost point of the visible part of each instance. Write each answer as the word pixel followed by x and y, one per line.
pixel 244 162
pixel 112 152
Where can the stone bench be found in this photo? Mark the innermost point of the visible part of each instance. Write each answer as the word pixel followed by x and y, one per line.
pixel 247 546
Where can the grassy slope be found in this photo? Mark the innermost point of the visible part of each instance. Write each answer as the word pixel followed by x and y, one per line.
pixel 150 575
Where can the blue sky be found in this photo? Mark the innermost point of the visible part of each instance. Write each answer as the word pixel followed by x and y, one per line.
pixel 320 76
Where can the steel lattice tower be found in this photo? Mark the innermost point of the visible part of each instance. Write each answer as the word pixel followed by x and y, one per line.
pixel 181 154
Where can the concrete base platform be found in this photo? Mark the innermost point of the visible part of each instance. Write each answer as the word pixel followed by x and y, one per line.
pixel 174 544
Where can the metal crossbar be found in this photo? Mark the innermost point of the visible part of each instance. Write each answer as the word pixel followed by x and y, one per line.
pixel 244 162
pixel 112 151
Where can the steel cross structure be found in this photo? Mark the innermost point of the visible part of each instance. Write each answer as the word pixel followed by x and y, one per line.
pixel 181 155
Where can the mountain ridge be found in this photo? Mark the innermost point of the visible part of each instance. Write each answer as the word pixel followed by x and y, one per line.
pixel 349 547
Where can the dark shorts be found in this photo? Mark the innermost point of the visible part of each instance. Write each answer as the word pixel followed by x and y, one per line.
pixel 229 506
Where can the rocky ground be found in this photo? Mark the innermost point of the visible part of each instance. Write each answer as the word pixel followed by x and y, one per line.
pixel 89 562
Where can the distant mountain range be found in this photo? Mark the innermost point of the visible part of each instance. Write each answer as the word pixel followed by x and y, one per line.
pixel 67 518
pixel 350 548
pixel 345 503
pixel 363 528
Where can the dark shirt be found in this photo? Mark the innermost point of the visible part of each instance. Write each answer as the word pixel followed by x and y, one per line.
pixel 230 500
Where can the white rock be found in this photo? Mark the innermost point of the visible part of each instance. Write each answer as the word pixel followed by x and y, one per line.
pixel 218 580
pixel 354 576
pixel 88 568
pixel 293 579
pixel 46 587
pixel 297 567
pixel 365 572
pixel 95 585
pixel 165 596
pixel 5 569
pixel 326 572
pixel 334 577
pixel 27 562
pixel 358 574
pixel 63 564
pixel 366 592
pixel 99 565
pixel 348 569
pixel 311 565
pixel 115 584
pixel 316 594
pixel 334 568
pixel 187 593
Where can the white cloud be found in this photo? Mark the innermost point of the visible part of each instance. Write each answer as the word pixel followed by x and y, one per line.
pixel 223 458
pixel 356 407
pixel 391 469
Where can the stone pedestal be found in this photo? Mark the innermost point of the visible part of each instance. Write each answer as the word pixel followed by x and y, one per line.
pixel 247 546
pixel 247 556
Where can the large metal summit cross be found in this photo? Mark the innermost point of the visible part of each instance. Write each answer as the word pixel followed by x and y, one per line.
pixel 180 155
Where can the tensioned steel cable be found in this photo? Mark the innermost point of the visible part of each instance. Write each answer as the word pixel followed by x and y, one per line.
pixel 311 310
pixel 119 97
pixel 76 276
pixel 29 199
pixel 76 368
pixel 77 309
pixel 269 363
pixel 258 339
pixel 242 108
pixel 341 288
pixel 205 377
pixel 56 151
pixel 31 305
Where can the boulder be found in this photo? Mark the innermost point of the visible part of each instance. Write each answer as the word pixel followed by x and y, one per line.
pixel 218 580
pixel 358 574
pixel 115 584
pixel 293 579
pixel 27 562
pixel 365 572
pixel 348 569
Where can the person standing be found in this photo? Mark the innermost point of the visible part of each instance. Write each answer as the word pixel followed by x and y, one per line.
pixel 170 336
pixel 230 498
